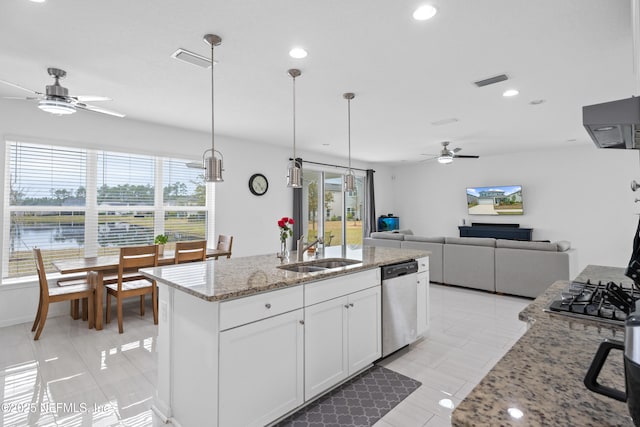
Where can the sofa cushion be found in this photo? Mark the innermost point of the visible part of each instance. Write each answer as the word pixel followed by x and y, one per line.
pixel 519 244
pixel 473 241
pixel 410 238
pixel 563 245
pixel 386 235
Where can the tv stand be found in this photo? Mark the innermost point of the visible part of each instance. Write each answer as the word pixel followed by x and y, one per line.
pixel 497 231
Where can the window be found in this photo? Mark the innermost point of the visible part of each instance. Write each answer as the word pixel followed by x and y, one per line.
pixel 73 202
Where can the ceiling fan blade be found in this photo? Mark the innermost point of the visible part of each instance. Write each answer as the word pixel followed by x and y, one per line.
pixel 466 157
pixel 91 98
pixel 20 87
pixel 20 98
pixel 194 165
pixel 457 149
pixel 99 110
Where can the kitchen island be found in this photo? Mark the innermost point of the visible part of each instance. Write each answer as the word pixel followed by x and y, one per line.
pixel 539 382
pixel 243 342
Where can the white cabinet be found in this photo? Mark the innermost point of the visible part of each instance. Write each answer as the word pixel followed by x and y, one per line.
pixel 423 296
pixel 365 328
pixel 325 340
pixel 342 336
pixel 261 370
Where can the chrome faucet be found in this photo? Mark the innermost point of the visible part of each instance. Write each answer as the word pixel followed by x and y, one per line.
pixel 302 250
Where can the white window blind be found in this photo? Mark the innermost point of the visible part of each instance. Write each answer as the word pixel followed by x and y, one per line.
pixel 184 196
pixel 131 199
pixel 46 204
pixel 125 180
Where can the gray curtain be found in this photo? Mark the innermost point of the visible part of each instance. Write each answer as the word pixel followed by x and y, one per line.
pixel 297 212
pixel 369 221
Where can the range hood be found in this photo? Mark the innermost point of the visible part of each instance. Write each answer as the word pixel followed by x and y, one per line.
pixel 614 124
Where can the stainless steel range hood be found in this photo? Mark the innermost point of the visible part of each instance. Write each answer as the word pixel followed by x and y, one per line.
pixel 614 124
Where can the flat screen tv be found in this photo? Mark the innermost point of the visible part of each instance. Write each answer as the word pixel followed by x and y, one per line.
pixel 495 200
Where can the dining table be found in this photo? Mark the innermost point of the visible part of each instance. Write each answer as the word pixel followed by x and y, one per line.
pixel 97 267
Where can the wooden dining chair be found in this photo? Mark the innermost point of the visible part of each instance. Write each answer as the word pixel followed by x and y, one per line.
pixel 225 243
pixel 58 294
pixel 192 251
pixel 127 286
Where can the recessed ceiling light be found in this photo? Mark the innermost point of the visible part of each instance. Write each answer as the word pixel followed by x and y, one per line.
pixel 37 1
pixel 424 12
pixel 298 53
pixel 510 92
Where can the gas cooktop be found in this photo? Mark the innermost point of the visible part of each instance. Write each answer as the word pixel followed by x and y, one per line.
pixel 604 302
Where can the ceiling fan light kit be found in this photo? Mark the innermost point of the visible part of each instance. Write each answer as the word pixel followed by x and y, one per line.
pixel 53 106
pixel 56 99
pixel 294 172
pixel 349 178
pixel 445 159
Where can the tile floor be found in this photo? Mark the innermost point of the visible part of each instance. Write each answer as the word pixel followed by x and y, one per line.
pixel 74 376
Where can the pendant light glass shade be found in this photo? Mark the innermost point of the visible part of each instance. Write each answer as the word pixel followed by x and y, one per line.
pixel 294 172
pixel 349 178
pixel 213 165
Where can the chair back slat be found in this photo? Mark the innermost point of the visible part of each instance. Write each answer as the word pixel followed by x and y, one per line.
pixel 135 257
pixel 191 251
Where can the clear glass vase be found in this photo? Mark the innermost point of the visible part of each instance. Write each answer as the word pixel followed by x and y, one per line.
pixel 284 252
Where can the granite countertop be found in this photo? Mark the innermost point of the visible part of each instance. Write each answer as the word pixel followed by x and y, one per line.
pixel 215 280
pixel 539 382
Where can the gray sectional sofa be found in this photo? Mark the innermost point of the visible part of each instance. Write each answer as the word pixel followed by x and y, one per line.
pixel 495 265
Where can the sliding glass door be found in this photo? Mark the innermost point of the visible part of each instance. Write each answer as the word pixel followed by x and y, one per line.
pixel 330 212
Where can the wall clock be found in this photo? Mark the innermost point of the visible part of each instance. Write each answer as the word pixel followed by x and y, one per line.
pixel 258 184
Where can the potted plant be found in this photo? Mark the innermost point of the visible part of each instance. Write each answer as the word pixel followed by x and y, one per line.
pixel 161 240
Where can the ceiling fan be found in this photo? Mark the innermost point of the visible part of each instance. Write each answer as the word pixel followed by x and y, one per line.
pixel 56 99
pixel 446 155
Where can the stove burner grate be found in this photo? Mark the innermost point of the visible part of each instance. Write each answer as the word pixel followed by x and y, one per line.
pixel 591 300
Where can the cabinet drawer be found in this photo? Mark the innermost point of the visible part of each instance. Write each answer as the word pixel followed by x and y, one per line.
pixel 423 264
pixel 324 290
pixel 249 309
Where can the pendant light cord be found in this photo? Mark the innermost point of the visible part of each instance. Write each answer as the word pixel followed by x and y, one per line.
pixel 213 149
pixel 349 131
pixel 294 120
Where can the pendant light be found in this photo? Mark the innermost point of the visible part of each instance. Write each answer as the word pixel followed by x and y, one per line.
pixel 349 178
pixel 212 164
pixel 294 173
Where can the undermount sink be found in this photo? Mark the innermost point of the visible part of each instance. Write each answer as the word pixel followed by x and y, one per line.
pixel 301 268
pixel 319 265
pixel 333 263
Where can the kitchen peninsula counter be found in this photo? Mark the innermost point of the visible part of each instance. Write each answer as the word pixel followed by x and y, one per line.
pixel 216 280
pixel 539 382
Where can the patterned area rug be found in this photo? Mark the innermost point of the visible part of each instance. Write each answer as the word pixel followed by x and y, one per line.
pixel 361 401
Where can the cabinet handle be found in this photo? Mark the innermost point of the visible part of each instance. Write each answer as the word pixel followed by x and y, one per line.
pixel 302 322
pixel 346 306
pixel 267 305
pixel 351 305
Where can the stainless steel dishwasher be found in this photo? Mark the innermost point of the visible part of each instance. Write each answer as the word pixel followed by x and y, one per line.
pixel 399 306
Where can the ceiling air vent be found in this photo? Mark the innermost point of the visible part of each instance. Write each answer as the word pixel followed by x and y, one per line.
pixel 192 58
pixel 491 80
